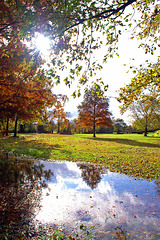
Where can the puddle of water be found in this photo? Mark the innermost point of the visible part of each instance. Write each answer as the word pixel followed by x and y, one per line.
pixel 77 197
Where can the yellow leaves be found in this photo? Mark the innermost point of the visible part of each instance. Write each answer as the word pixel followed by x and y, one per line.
pixel 146 78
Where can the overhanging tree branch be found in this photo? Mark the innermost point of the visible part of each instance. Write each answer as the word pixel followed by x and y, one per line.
pixel 109 12
pixel 78 21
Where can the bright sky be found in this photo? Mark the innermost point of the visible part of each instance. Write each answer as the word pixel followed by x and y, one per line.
pixel 42 43
pixel 113 73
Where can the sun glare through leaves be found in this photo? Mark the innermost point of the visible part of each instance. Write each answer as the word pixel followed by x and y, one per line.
pixel 43 44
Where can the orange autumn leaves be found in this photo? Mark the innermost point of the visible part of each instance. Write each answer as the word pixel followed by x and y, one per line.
pixel 94 110
pixel 24 88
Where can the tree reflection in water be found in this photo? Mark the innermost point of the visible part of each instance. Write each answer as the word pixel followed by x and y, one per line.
pixel 92 174
pixel 105 204
pixel 21 183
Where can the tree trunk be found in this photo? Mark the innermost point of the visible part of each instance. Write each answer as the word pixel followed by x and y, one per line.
pixel 146 130
pixel 58 131
pixel 94 130
pixel 7 126
pixel 94 122
pixel 15 127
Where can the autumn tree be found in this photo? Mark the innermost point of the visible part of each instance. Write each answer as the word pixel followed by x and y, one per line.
pixel 147 79
pixel 58 112
pixel 25 91
pixel 59 115
pixel 142 96
pixel 94 110
pixel 76 29
pixel 146 113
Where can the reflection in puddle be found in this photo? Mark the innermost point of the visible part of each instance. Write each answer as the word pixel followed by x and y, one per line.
pixel 21 184
pixel 79 196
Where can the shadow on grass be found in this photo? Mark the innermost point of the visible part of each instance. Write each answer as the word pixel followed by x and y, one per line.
pixel 126 141
pixel 35 148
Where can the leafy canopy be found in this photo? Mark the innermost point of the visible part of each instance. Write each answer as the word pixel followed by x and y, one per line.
pixel 24 89
pixel 146 113
pixel 146 80
pixel 78 28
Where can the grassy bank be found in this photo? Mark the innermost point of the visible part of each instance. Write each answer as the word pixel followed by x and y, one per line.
pixel 133 154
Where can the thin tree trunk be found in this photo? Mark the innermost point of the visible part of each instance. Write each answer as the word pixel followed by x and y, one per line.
pixel 58 127
pixel 94 130
pixel 15 127
pixel 94 124
pixel 7 126
pixel 58 123
pixel 146 130
pixel 58 131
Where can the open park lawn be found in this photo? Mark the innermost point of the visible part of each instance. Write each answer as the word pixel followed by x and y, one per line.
pixel 132 154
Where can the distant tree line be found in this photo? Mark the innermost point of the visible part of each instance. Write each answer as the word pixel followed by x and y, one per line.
pixel 93 117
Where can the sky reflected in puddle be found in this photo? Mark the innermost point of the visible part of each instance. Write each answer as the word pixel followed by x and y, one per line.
pixel 82 198
pixel 94 196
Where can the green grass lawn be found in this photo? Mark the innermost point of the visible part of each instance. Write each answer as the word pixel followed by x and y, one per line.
pixel 131 154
